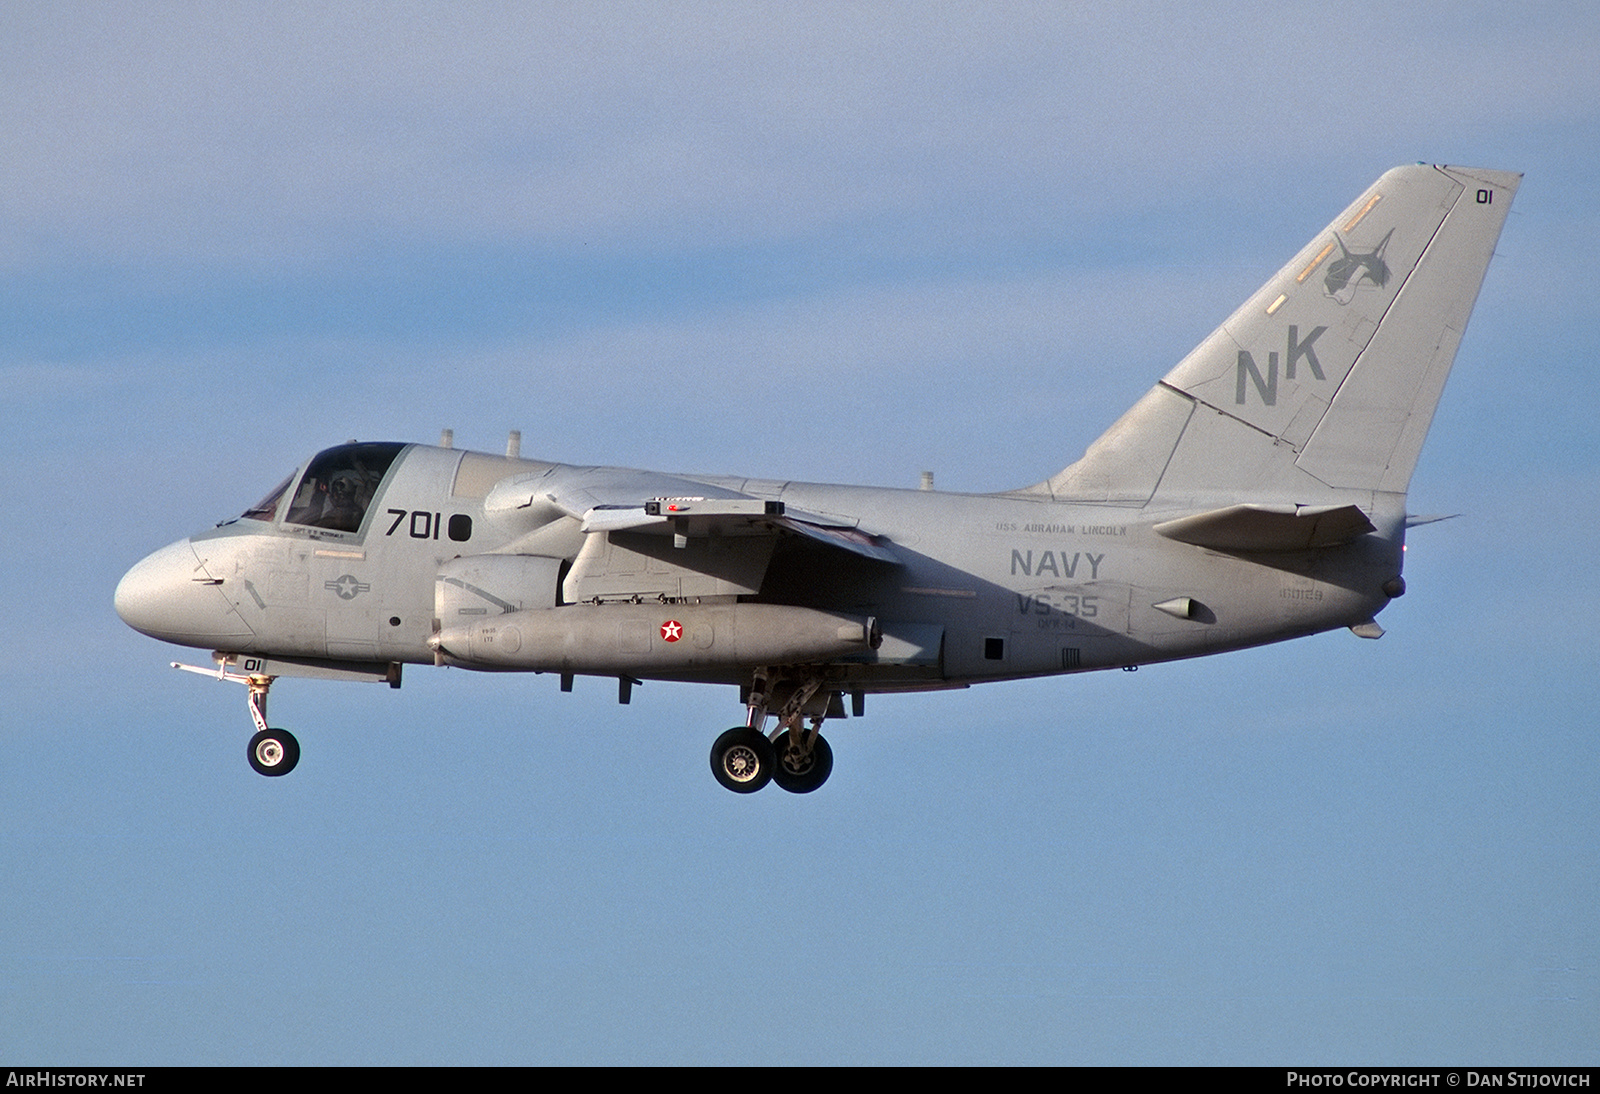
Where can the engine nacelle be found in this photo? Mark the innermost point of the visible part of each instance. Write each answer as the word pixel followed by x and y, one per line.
pixel 625 639
pixel 487 585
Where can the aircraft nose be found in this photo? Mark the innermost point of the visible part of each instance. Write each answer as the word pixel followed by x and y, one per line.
pixel 170 596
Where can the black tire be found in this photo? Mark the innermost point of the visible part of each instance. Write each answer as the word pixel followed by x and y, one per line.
pixel 801 774
pixel 742 760
pixel 273 752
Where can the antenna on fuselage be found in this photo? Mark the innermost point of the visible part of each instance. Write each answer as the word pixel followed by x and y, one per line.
pixel 514 445
pixel 447 438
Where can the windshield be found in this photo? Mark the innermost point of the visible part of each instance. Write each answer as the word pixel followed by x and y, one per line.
pixel 339 485
pixel 267 508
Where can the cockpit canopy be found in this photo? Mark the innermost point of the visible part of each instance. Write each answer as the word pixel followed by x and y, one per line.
pixel 335 490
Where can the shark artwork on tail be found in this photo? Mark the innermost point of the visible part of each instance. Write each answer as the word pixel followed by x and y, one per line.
pixel 1256 493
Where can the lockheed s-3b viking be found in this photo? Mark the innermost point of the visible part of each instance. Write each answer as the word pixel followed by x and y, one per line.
pixel 1256 493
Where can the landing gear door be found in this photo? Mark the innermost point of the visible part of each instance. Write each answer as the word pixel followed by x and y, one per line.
pixel 488 585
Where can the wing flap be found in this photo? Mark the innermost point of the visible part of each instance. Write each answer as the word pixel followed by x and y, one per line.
pixel 853 540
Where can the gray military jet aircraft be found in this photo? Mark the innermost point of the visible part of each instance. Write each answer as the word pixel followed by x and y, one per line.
pixel 1256 493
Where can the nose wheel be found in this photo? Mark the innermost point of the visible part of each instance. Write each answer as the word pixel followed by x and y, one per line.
pixel 273 752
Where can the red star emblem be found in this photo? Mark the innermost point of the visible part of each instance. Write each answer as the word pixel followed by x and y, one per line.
pixel 672 630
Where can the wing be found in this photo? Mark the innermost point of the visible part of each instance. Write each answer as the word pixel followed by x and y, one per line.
pixel 650 535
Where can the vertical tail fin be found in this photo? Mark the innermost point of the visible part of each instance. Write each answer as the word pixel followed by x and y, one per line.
pixel 1326 378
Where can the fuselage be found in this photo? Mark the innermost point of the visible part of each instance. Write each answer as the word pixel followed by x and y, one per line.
pixel 978 587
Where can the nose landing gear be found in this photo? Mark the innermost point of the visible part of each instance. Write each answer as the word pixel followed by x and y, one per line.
pixel 272 752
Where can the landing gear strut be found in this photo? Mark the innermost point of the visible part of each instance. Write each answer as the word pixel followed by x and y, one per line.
pixel 272 752
pixel 798 759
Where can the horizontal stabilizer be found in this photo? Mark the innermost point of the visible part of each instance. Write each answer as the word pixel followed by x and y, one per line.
pixel 1269 527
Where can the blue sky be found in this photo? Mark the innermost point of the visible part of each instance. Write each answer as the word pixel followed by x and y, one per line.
pixel 843 243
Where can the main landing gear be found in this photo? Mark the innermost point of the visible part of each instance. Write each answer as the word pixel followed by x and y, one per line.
pixel 272 752
pixel 799 760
